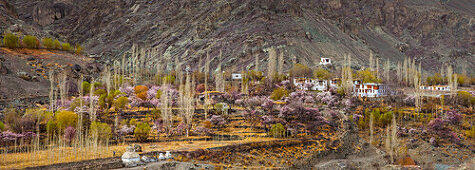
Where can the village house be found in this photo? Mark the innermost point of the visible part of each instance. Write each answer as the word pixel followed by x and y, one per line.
pixel 370 89
pixel 435 88
pixel 359 88
pixel 236 76
pixel 325 61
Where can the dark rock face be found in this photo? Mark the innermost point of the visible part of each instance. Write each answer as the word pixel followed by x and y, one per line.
pixel 433 32
pixel 45 13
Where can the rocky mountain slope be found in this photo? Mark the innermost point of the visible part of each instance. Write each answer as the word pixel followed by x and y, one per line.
pixel 433 32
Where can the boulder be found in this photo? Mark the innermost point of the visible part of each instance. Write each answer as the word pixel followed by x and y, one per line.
pixel 24 76
pixel 3 68
pixel 130 157
pixel 77 67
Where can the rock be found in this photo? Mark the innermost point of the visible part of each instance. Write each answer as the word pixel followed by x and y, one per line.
pixel 175 165
pixel 433 142
pixel 130 157
pixel 3 68
pixel 15 28
pixel 77 67
pixel 308 35
pixel 161 157
pixel 24 76
pixel 137 148
pixel 147 159
pixel 168 155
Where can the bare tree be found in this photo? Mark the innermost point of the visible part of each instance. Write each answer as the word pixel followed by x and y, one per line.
pixel 271 64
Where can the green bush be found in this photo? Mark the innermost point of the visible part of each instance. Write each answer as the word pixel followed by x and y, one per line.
pixel 322 74
pixel 464 98
pixel 142 131
pixel 86 87
pixel 132 122
pixel 65 119
pixel 386 118
pixel 169 79
pixel 100 130
pixel 470 133
pixel 278 93
pixel 57 44
pixel 221 108
pixel 66 46
pixel 2 126
pixel 78 49
pixel 48 43
pixel 300 70
pixel 10 40
pixel 121 102
pixel 30 41
pixel 277 130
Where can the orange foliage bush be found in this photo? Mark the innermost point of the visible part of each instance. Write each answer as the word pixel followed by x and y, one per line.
pixel 207 124
pixel 142 95
pixel 140 89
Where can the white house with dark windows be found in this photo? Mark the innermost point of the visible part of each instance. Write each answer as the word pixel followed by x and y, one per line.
pixel 311 84
pixel 435 88
pixel 325 61
pixel 370 89
pixel 236 76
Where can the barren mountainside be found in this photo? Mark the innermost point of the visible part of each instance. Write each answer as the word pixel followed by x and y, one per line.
pixel 433 32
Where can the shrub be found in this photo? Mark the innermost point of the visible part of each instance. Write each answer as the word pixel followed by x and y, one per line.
pixel 2 126
pixel 434 80
pixel 69 134
pixel 10 40
pixel 48 43
pixel 300 70
pixel 86 87
pixel 278 93
pixel 66 47
pixel 78 49
pixel 179 130
pixel 322 74
pixel 142 131
pixel 57 44
pixel 221 108
pixel 453 117
pixel 277 130
pixel 367 76
pixel 125 130
pixel 24 124
pixel 30 41
pixel 386 118
pixel 203 131
pixel 169 79
pixel 141 92
pixel 65 119
pixel 470 133
pixel 100 130
pixel 217 120
pixel 121 102
pixel 133 122
pixel 11 115
pixel 464 98
pixel 207 124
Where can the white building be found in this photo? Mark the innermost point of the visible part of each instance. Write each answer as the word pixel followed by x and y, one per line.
pixel 435 88
pixel 370 90
pixel 311 84
pixel 236 76
pixel 325 61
